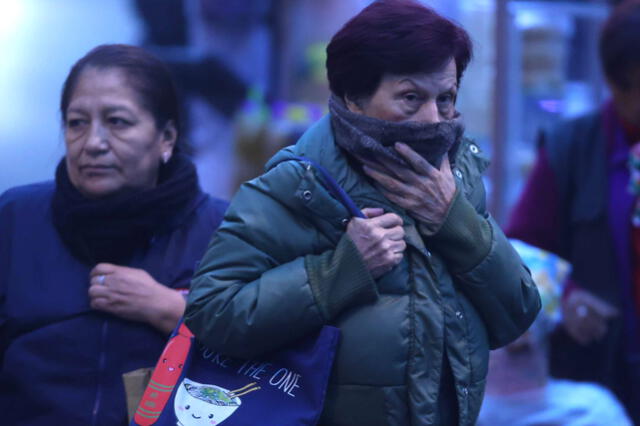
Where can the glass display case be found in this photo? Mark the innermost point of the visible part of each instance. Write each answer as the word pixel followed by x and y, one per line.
pixel 547 70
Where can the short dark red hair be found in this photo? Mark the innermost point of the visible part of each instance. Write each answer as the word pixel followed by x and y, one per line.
pixel 393 37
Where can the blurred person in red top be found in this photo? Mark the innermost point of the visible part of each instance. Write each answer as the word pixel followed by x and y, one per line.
pixel 577 203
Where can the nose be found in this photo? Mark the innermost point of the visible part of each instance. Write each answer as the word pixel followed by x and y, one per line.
pixel 98 140
pixel 428 113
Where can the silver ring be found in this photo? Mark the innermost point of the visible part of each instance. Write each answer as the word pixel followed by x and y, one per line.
pixel 582 311
pixel 101 279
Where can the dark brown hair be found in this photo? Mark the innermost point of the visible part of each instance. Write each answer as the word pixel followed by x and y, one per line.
pixel 147 75
pixel 620 43
pixel 393 37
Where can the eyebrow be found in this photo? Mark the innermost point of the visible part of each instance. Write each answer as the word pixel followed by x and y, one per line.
pixel 117 109
pixel 415 84
pixel 109 110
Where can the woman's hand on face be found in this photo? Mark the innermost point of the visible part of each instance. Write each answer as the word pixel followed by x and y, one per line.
pixel 379 238
pixel 424 191
pixel 132 294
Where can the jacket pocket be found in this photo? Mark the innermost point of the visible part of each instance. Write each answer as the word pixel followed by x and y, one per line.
pixel 348 405
pixel 374 344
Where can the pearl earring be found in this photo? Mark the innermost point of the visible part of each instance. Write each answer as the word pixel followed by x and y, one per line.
pixel 165 157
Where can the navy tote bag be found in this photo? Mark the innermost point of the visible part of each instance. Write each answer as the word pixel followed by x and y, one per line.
pixel 192 385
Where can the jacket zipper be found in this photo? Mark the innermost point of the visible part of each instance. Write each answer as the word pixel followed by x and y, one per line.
pixel 101 364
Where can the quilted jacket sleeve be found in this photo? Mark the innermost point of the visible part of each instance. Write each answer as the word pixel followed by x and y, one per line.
pixel 265 280
pixel 484 264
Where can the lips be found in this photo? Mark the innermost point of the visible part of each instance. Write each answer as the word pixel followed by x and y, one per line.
pixel 96 168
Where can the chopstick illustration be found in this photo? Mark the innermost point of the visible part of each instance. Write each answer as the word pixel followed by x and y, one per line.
pixel 243 390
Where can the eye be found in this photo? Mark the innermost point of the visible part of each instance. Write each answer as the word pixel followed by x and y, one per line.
pixel 73 123
pixel 164 360
pixel 446 99
pixel 118 122
pixel 210 416
pixel 179 365
pixel 411 97
pixel 186 407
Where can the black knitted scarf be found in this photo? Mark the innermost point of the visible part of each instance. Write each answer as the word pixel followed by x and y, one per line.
pixel 111 229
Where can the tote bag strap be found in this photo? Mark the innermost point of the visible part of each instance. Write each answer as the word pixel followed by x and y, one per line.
pixel 334 188
pixel 165 377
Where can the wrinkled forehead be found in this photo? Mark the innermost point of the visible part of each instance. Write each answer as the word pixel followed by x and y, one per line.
pixel 112 87
pixel 445 78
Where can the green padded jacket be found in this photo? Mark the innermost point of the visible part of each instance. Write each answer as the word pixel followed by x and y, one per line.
pixel 282 265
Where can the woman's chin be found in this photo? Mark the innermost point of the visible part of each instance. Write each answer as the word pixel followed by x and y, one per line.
pixel 99 188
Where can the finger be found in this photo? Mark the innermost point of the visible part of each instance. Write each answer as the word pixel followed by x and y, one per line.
pixel 388 220
pixel 419 164
pixel 98 280
pixel 590 326
pixel 599 306
pixel 374 172
pixel 103 269
pixel 398 247
pixel 388 263
pixel 376 165
pixel 389 183
pixel 445 167
pixel 101 304
pixel 396 199
pixel 98 291
pixel 371 212
pixel 396 233
pixel 403 173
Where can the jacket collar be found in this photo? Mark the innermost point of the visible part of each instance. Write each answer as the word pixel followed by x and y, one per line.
pixel 318 144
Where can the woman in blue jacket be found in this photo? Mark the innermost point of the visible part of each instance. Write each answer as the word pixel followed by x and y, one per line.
pixel 92 264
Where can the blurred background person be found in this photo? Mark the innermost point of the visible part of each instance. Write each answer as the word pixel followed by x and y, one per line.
pixel 520 391
pixel 422 286
pixel 578 204
pixel 94 264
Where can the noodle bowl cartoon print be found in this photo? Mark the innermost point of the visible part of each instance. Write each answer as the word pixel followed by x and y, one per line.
pixel 202 404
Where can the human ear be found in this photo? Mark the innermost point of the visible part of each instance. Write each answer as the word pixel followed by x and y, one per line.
pixel 168 140
pixel 353 105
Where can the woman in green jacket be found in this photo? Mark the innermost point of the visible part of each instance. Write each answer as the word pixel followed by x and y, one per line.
pixel 422 287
